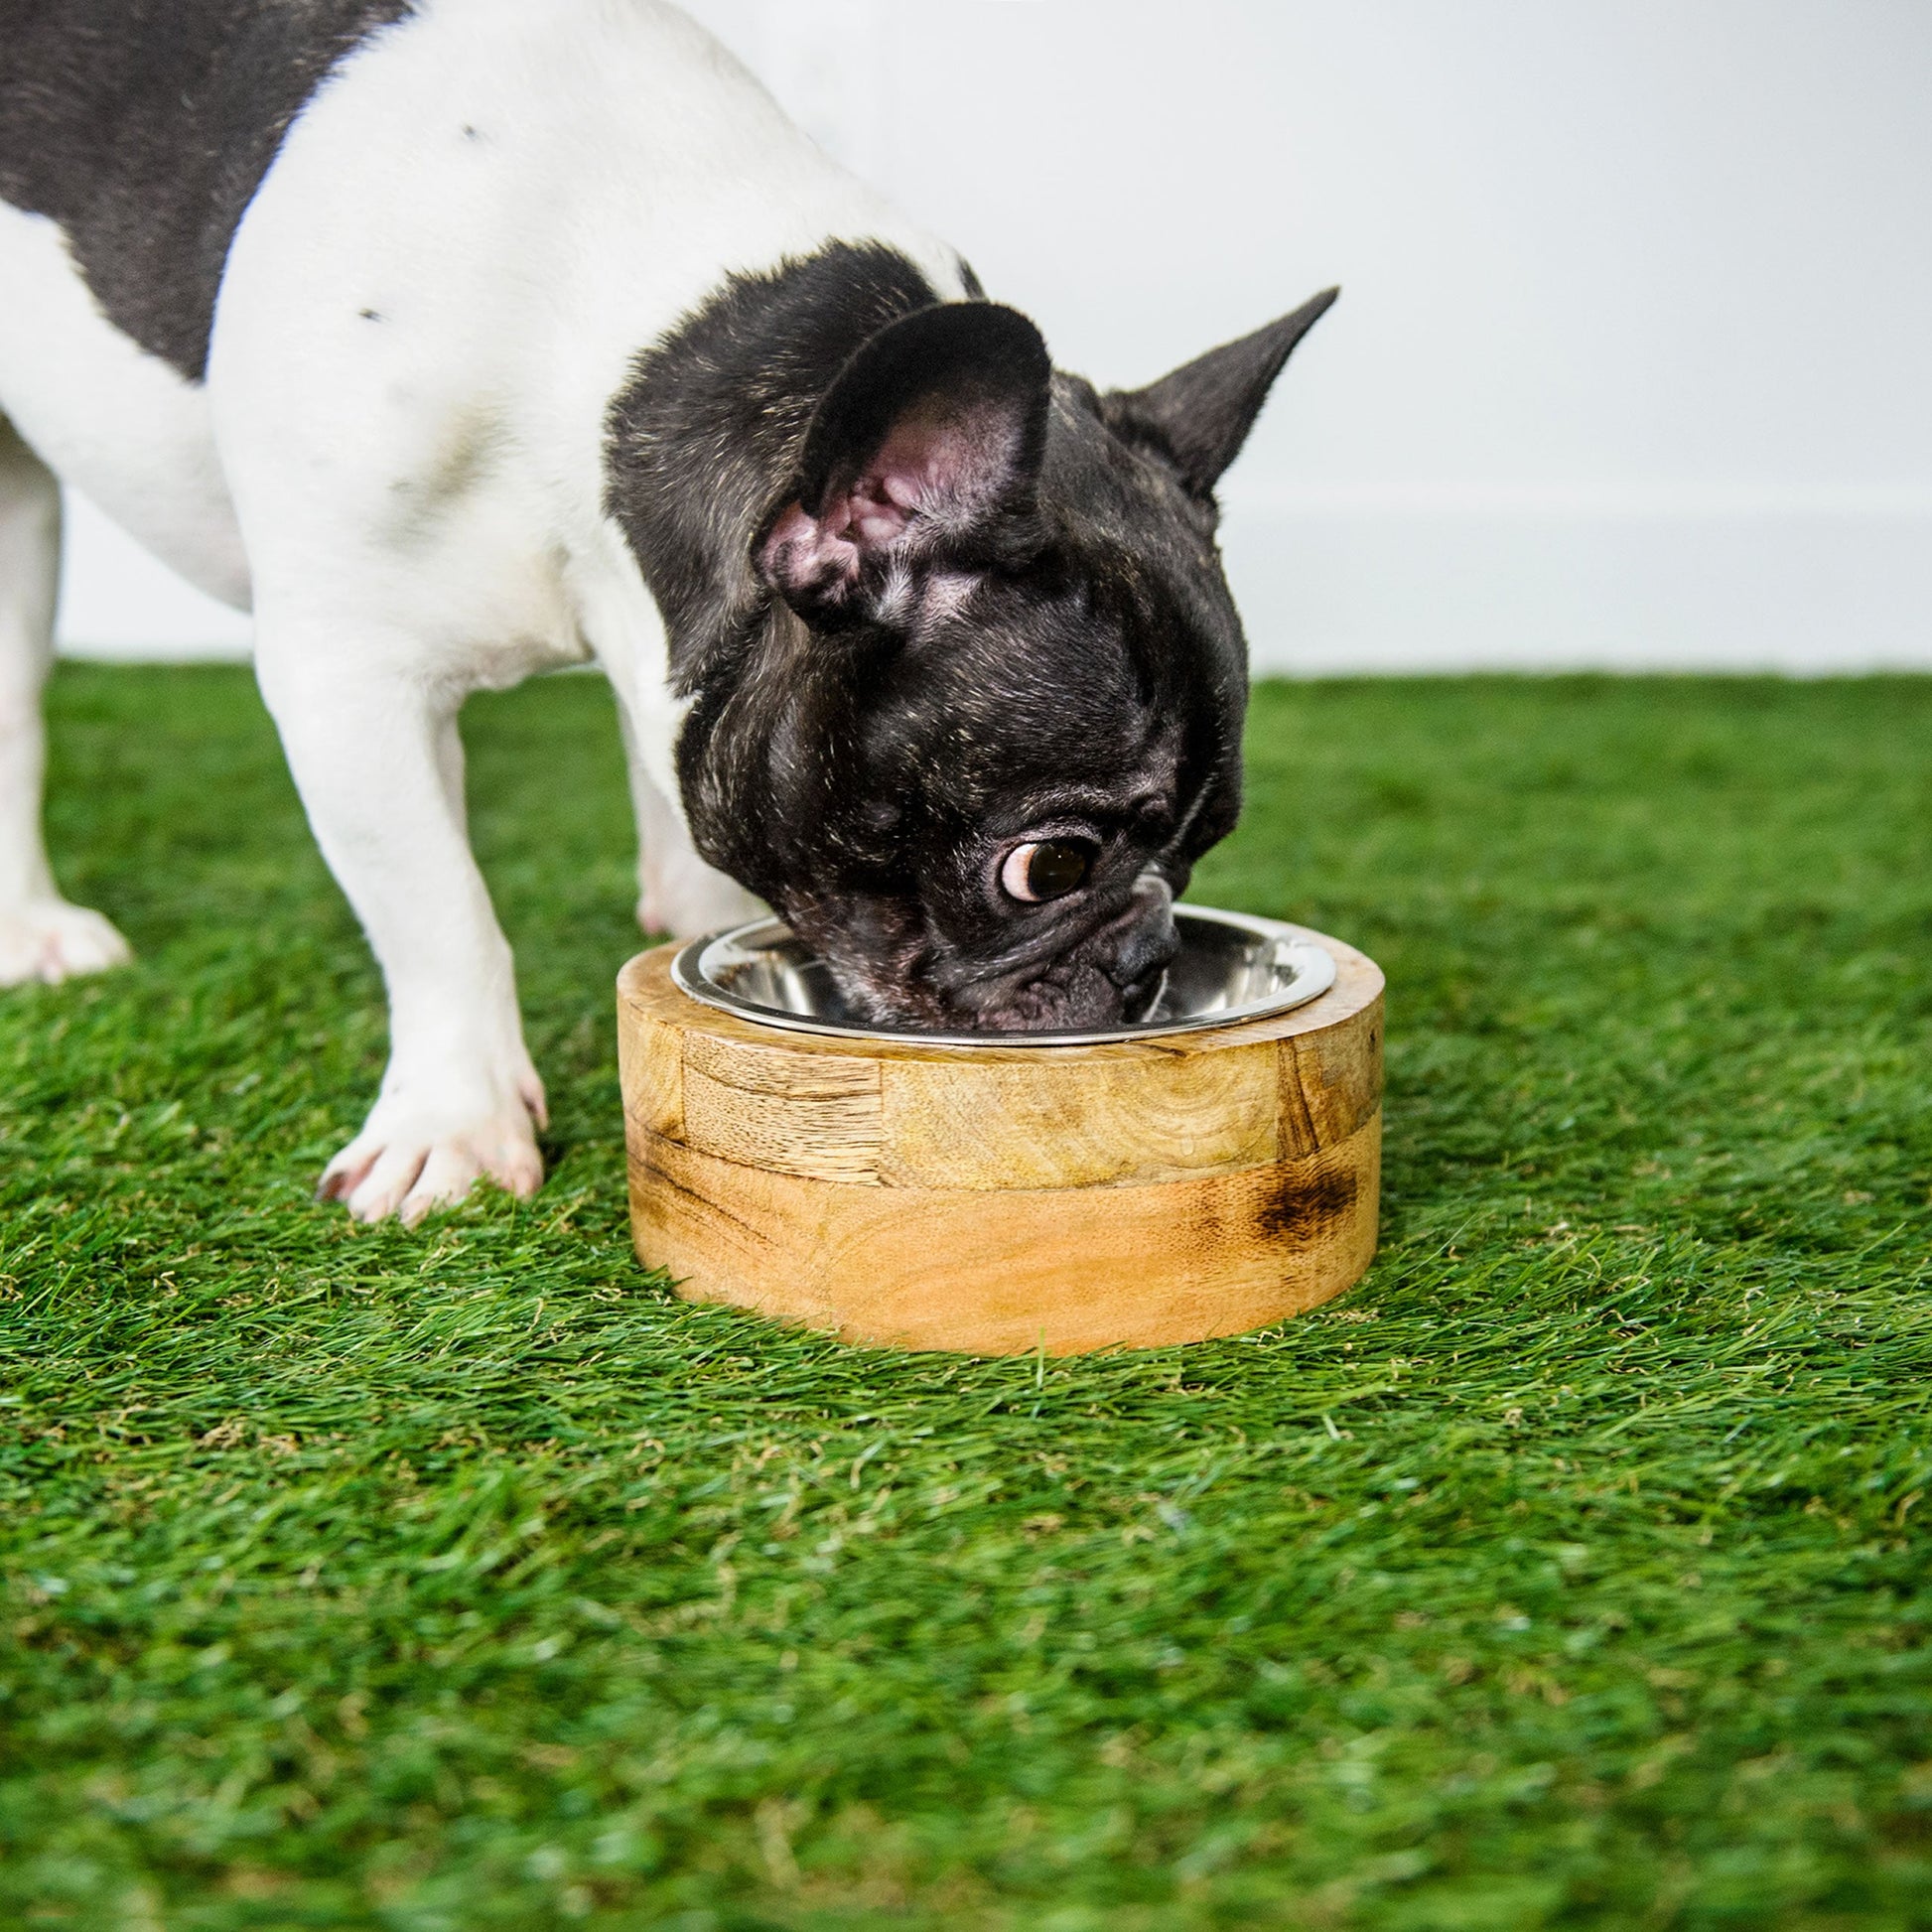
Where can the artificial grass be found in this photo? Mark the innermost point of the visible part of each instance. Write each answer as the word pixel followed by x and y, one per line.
pixel 1572 1571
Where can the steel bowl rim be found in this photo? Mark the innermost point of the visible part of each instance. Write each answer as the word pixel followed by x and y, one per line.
pixel 1315 973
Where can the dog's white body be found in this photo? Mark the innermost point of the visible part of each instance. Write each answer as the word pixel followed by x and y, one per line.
pixel 468 234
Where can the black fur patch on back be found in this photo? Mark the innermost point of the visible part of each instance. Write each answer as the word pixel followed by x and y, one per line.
pixel 144 127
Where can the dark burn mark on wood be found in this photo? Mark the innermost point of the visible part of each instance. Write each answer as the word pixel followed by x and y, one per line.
pixel 1300 1212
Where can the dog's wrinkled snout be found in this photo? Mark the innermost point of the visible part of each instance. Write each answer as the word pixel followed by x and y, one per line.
pixel 1144 950
pixel 1111 975
pixel 1136 950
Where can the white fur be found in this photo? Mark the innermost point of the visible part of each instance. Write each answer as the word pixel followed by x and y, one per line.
pixel 118 423
pixel 415 503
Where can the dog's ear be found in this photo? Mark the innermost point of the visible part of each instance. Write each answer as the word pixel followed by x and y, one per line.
pixel 924 452
pixel 1200 415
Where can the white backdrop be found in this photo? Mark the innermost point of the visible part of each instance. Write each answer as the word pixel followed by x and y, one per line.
pixel 1633 364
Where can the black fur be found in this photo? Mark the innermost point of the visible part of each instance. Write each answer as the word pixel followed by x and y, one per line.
pixel 1200 416
pixel 970 383
pixel 144 127
pixel 714 421
pixel 1059 659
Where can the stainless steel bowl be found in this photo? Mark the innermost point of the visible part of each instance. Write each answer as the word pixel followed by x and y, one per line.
pixel 1229 967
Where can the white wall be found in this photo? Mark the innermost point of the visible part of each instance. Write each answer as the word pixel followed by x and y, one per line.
pixel 1631 365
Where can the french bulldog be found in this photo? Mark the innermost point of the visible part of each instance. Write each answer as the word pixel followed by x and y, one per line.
pixel 466 338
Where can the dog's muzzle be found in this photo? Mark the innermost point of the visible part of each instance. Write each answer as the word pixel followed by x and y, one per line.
pixel 1135 950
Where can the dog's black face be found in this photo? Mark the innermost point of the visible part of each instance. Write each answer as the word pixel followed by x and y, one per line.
pixel 999 712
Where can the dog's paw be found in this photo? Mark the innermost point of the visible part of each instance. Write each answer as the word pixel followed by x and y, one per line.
pixel 414 1154
pixel 49 941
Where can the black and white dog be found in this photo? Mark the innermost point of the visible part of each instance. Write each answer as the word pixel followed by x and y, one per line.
pixel 466 337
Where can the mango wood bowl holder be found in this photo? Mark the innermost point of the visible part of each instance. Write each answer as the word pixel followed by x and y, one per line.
pixel 998 1199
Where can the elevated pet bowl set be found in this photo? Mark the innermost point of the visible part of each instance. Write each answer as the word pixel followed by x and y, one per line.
pixel 1205 1173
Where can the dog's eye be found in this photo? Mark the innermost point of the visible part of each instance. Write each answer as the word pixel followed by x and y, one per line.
pixel 1047 869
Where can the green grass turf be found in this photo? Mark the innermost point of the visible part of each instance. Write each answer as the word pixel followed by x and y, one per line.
pixel 1566 1573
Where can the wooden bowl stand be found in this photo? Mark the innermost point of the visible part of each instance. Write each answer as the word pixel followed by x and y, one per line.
pixel 999 1200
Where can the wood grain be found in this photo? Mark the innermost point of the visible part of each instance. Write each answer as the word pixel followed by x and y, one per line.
pixel 768 1109
pixel 1066 1269
pixel 1078 1123
pixel 1003 1199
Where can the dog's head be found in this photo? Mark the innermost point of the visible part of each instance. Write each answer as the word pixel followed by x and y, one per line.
pixel 999 714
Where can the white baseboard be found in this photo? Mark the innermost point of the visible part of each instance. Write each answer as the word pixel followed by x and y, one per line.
pixel 1335 583
pixel 118 602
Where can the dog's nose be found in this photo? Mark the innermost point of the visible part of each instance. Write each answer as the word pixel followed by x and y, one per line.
pixel 1147 937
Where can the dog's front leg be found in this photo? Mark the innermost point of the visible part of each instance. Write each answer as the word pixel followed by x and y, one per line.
pixel 380 766
pixel 678 891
